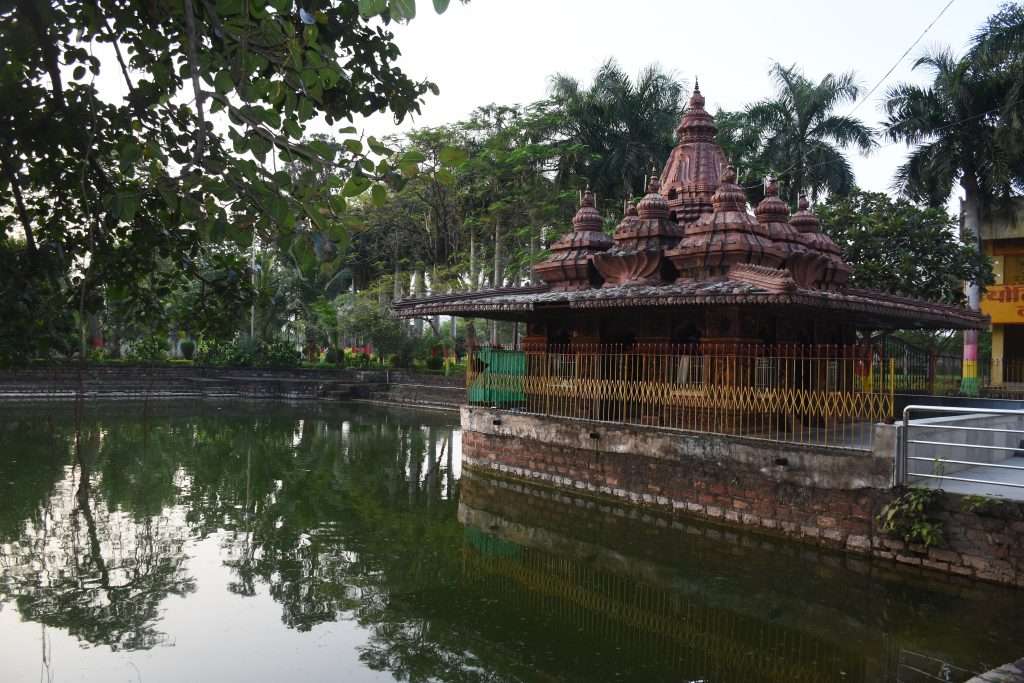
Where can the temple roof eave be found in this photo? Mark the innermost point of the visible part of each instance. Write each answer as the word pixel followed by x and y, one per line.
pixel 875 309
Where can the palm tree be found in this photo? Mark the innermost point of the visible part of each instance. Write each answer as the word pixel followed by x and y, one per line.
pixel 802 139
pixel 621 127
pixel 999 49
pixel 953 126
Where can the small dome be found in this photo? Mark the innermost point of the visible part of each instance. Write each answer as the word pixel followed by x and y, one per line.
pixel 837 271
pixel 772 209
pixel 569 266
pixel 729 196
pixel 653 205
pixel 804 219
pixel 587 217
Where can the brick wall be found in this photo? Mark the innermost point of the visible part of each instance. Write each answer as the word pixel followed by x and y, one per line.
pixel 821 500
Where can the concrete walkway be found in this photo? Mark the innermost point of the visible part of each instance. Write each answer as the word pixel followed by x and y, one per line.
pixel 1002 486
pixel 1008 673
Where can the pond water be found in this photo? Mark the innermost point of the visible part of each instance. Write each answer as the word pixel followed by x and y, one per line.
pixel 227 541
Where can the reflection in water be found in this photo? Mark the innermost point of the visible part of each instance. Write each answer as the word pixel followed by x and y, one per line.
pixel 336 515
pixel 97 572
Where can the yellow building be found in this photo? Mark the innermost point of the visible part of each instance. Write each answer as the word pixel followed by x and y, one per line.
pixel 1002 238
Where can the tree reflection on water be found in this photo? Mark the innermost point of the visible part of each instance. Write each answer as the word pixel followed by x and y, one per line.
pixel 339 513
pixel 80 563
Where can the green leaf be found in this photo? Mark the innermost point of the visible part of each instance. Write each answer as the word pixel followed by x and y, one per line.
pixel 314 216
pixel 223 83
pixel 413 156
pixel 347 130
pixel 278 209
pixel 79 73
pixel 356 185
pixel 191 209
pixel 370 8
pixel 409 168
pixel 125 206
pixel 305 109
pixel 130 152
pixel 452 156
pixel 403 9
pixel 354 146
pixel 441 5
pixel 292 128
pixel 229 7
pixel 378 195
pixel 272 118
pixel 168 191
pixel 322 148
pixel 376 147
pixel 445 177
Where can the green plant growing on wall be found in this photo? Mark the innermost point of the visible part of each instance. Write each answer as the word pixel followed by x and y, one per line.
pixel 988 506
pixel 908 517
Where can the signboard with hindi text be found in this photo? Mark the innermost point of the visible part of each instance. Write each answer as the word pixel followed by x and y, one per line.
pixel 1004 303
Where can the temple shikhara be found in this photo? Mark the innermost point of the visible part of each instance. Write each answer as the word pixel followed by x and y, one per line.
pixel 689 263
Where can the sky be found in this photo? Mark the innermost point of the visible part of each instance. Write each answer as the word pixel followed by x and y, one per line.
pixel 503 51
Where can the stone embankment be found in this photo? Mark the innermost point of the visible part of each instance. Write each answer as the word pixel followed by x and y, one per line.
pixel 433 392
pixel 825 496
pixel 190 381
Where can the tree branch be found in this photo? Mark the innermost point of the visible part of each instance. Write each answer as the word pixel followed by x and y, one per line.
pixel 259 129
pixel 30 11
pixel 193 64
pixel 30 241
pixel 120 57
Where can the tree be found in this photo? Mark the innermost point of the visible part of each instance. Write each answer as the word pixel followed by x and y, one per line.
pixel 101 190
pixel 953 126
pixel 363 319
pixel 999 47
pixel 801 138
pixel 896 246
pixel 620 127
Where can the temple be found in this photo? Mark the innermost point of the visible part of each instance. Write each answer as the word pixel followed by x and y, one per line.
pixel 689 264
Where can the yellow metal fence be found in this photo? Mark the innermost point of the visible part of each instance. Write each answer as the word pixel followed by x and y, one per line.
pixel 804 394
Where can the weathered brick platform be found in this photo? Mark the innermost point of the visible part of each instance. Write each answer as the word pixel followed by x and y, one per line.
pixel 816 494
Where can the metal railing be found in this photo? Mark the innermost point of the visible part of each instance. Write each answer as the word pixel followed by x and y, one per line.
pixel 819 394
pixel 980 471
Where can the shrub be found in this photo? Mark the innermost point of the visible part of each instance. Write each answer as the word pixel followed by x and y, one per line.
pixel 278 354
pixel 188 349
pixel 334 356
pixel 435 362
pixel 214 352
pixel 247 352
pixel 909 517
pixel 149 349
